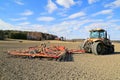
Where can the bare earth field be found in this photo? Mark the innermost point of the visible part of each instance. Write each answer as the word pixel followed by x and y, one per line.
pixel 82 67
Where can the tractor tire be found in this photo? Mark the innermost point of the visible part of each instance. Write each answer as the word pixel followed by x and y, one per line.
pixel 98 48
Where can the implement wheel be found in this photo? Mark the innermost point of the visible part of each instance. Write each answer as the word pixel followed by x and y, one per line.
pixel 98 48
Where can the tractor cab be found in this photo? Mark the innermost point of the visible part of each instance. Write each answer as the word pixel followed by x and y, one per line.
pixel 98 33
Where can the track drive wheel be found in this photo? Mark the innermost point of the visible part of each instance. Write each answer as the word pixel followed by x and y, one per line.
pixel 98 48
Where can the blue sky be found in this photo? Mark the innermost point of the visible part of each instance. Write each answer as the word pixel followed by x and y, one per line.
pixel 67 18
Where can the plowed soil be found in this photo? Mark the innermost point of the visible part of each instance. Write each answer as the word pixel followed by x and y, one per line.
pixel 80 67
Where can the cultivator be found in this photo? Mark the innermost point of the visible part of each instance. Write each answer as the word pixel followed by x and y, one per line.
pixel 42 51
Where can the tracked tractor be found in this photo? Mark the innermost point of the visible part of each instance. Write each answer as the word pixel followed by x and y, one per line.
pixel 98 43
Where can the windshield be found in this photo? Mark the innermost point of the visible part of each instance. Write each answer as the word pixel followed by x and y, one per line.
pixel 102 34
pixel 97 34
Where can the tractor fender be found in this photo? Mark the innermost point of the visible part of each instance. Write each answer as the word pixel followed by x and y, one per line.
pixel 83 45
pixel 98 41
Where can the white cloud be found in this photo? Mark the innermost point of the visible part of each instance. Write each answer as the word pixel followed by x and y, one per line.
pixel 114 20
pixel 24 23
pixel 19 2
pixel 92 1
pixel 104 25
pixel 69 29
pixel 103 12
pixel 34 27
pixel 112 28
pixel 70 25
pixel 108 25
pixel 65 3
pixel 114 4
pixel 60 27
pixel 5 26
pixel 81 28
pixel 51 6
pixel 63 14
pixel 40 28
pixel 79 2
pixel 45 18
pixel 19 19
pixel 27 13
pixel 25 26
pixel 76 15
pixel 109 17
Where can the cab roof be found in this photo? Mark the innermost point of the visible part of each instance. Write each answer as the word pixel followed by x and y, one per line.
pixel 98 29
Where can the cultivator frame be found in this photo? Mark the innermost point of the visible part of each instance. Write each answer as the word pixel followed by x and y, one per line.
pixel 54 52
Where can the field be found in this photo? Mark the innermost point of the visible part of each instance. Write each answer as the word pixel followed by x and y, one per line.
pixel 81 67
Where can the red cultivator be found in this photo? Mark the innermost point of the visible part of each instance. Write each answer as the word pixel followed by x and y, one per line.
pixel 55 52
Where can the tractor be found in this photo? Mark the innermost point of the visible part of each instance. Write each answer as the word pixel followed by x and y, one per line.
pixel 98 43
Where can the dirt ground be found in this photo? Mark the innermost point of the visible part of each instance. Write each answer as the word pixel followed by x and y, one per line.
pixel 81 67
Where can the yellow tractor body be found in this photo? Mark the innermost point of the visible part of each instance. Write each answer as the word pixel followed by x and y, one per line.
pixel 98 42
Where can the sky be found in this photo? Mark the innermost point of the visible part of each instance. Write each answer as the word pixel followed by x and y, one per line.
pixel 71 19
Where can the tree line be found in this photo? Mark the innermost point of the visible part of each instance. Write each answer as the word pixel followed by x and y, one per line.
pixel 14 34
